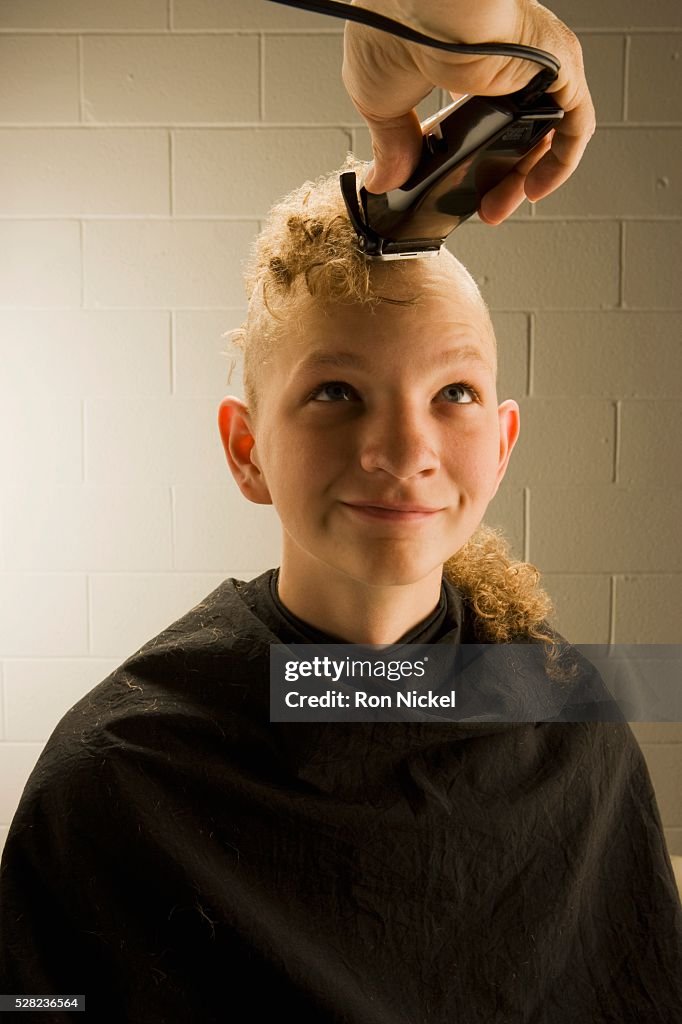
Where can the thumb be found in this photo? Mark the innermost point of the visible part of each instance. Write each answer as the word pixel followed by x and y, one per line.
pixel 396 146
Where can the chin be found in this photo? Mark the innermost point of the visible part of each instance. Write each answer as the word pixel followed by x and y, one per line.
pixel 395 572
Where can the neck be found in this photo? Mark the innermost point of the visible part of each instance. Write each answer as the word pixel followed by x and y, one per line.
pixel 351 609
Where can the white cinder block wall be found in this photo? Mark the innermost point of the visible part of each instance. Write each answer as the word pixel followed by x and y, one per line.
pixel 141 144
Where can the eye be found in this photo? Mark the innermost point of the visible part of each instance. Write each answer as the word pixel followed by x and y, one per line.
pixel 331 391
pixel 460 394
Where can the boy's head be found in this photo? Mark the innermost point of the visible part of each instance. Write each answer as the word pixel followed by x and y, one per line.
pixel 307 254
pixel 366 384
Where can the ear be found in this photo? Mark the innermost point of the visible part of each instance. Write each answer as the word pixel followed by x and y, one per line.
pixel 508 414
pixel 236 432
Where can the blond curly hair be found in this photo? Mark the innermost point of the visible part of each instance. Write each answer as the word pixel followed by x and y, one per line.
pixel 308 248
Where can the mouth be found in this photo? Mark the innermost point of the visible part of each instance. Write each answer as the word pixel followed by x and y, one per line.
pixel 395 513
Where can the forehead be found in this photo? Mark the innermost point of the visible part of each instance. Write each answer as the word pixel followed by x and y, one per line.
pixel 423 304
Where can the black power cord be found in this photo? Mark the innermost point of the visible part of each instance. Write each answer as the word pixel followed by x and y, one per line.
pixel 339 9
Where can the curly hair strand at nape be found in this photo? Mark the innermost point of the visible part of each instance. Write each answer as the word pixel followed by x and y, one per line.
pixel 508 602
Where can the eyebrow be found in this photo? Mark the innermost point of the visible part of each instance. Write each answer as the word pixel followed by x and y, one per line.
pixel 322 358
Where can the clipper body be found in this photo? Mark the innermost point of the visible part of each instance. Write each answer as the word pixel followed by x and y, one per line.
pixel 468 147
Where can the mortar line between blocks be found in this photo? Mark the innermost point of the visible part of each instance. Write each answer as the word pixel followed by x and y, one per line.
pixel 223 307
pixel 617 442
pixel 261 76
pixel 218 573
pixel 25 743
pixel 526 524
pixel 246 217
pixel 3 703
pixel 612 610
pixel 626 76
pixel 621 268
pixel 172 342
pixel 169 16
pixel 88 613
pixel 172 525
pixel 171 176
pixel 530 349
pixel 81 246
pixel 591 30
pixel 83 427
pixel 79 57
pixel 242 125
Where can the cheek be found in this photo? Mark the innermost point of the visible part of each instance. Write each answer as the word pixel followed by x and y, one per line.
pixel 474 453
pixel 297 463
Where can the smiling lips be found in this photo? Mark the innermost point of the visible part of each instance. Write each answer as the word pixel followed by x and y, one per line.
pixel 395 512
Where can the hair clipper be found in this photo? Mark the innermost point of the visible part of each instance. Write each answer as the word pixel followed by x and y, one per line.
pixel 467 148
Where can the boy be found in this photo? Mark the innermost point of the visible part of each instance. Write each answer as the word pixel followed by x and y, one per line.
pixel 178 857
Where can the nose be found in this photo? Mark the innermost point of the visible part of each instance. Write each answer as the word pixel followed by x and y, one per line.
pixel 397 441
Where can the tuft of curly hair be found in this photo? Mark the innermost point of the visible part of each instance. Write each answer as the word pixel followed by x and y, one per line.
pixel 308 248
pixel 508 603
pixel 309 236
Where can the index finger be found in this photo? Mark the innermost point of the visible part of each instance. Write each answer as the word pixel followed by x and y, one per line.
pixel 571 137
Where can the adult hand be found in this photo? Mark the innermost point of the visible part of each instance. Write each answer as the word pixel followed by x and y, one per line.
pixel 386 77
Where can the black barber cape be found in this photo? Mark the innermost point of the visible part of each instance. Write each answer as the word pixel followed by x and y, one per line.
pixel 179 859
